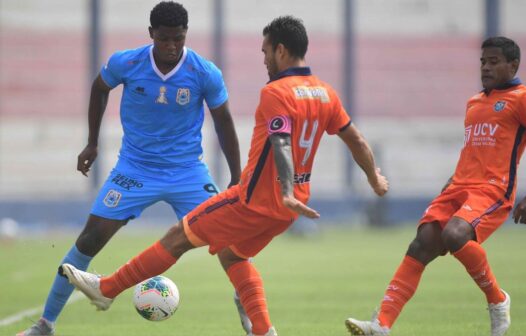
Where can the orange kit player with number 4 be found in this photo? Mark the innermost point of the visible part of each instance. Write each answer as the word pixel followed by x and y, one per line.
pixel 295 109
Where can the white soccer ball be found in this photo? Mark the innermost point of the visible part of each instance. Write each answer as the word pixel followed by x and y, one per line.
pixel 156 299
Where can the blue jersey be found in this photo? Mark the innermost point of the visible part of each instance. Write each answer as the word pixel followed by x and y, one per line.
pixel 162 115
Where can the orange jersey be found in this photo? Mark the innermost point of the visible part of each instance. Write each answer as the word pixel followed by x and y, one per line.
pixel 302 105
pixel 494 138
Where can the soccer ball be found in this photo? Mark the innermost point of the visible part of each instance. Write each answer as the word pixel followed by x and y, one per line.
pixel 156 299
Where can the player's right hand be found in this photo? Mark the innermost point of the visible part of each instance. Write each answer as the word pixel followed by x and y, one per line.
pixel 379 183
pixel 298 207
pixel 86 159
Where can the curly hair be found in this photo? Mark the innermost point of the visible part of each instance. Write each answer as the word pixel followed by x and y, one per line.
pixel 170 14
pixel 290 32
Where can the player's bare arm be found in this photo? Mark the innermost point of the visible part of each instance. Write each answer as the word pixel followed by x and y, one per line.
pixel 519 214
pixel 97 105
pixel 285 166
pixel 363 155
pixel 227 136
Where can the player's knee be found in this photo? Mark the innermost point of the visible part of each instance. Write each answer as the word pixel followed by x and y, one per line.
pixel 424 251
pixel 456 236
pixel 175 241
pixel 228 258
pixel 90 242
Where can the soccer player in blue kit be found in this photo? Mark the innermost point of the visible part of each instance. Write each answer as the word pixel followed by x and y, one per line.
pixel 160 159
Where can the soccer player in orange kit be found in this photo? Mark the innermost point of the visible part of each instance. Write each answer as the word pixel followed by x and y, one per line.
pixel 295 109
pixel 476 200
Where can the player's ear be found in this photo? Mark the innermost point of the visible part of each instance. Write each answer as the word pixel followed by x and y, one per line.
pixel 515 66
pixel 281 50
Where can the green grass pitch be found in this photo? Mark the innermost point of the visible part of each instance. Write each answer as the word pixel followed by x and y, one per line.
pixel 312 285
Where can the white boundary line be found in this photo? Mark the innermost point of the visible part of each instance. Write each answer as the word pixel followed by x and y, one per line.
pixel 33 311
pixel 195 254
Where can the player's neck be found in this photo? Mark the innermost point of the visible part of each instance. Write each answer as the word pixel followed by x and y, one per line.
pixel 293 63
pixel 164 67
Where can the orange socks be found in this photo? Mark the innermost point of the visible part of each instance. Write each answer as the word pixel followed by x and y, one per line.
pixel 249 287
pixel 400 290
pixel 473 257
pixel 151 262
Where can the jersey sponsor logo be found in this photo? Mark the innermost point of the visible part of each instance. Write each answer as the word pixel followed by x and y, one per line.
pixel 311 92
pixel 183 96
pixel 112 198
pixel 300 178
pixel 279 124
pixel 499 106
pixel 126 182
pixel 162 96
pixel 481 134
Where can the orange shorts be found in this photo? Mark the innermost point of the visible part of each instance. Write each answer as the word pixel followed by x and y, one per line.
pixel 225 221
pixel 484 207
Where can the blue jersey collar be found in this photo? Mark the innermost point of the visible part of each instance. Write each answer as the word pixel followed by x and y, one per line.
pixel 294 71
pixel 514 82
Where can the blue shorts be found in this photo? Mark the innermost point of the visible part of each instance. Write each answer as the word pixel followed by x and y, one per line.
pixel 131 188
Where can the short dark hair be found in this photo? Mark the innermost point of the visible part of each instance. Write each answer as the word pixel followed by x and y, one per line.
pixel 290 32
pixel 169 14
pixel 509 48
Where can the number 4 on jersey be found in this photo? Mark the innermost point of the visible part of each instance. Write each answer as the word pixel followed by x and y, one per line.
pixel 307 143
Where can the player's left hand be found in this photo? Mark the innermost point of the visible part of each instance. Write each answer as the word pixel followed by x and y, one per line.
pixel 298 207
pixel 519 214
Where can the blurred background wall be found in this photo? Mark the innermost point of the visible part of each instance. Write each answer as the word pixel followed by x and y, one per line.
pixel 414 65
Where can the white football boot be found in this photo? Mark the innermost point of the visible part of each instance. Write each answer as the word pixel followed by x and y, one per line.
pixel 499 314
pixel 271 332
pixel 87 283
pixel 41 327
pixel 366 328
pixel 245 321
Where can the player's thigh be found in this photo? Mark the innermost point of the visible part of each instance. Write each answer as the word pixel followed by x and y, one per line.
pixel 125 195
pixel 444 206
pixel 96 233
pixel 223 221
pixel 251 246
pixel 485 210
pixel 191 188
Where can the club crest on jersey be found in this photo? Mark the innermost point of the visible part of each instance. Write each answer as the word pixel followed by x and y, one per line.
pixel 112 198
pixel 499 106
pixel 162 96
pixel 183 96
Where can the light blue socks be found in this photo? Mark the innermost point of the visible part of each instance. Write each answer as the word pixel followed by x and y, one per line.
pixel 62 289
